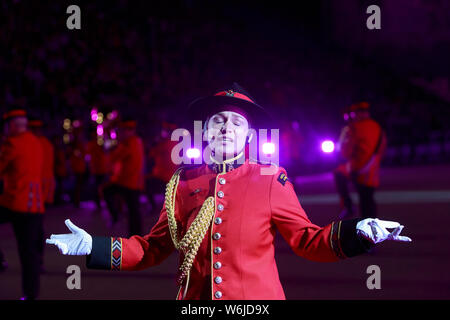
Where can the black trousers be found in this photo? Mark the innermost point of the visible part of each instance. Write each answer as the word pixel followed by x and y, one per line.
pixel 59 190
pixel 114 192
pixel 28 229
pixel 367 205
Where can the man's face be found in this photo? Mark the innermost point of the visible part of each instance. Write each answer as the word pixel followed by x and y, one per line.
pixel 226 133
pixel 15 126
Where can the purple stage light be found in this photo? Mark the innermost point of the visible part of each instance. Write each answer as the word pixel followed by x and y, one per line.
pixel 113 134
pixel 327 146
pixel 268 148
pixel 94 114
pixel 193 153
pixel 100 130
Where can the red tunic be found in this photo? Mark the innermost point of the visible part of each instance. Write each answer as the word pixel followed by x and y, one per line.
pixel 363 146
pixel 21 168
pixel 237 255
pixel 99 163
pixel 48 167
pixel 128 164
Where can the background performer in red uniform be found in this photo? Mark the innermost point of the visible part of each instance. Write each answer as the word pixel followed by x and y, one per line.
pixel 223 216
pixel 362 145
pixel 22 201
pixel 127 180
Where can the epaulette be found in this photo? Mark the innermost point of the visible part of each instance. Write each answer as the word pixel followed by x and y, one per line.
pixel 261 162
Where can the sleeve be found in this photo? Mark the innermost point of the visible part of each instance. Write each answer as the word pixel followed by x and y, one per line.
pixel 7 154
pixel 335 241
pixel 135 253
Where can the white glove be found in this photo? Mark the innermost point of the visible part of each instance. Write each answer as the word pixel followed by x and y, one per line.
pixel 77 243
pixel 375 230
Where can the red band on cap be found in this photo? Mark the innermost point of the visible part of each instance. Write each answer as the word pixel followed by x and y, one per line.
pixel 359 106
pixel 14 113
pixel 234 94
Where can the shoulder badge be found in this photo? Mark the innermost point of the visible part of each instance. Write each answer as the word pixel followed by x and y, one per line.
pixel 282 178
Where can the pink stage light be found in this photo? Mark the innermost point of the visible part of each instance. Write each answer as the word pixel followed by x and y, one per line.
pixel 193 153
pixel 327 146
pixel 268 148
pixel 100 130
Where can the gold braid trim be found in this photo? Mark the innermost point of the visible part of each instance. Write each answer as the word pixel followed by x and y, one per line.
pixel 192 239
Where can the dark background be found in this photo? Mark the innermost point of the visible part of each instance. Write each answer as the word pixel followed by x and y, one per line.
pixel 304 61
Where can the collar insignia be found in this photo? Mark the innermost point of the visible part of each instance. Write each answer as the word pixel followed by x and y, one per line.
pixel 230 93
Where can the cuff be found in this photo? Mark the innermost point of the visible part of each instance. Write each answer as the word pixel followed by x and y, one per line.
pixel 106 254
pixel 345 241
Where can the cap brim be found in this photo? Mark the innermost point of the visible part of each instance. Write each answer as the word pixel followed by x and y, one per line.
pixel 202 108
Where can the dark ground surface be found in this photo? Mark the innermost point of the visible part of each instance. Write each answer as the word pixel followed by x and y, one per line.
pixel 418 197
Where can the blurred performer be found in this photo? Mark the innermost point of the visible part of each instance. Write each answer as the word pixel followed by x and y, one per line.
pixel 127 180
pixel 163 166
pixel 48 178
pixel 362 144
pixel 98 165
pixel 77 153
pixel 22 201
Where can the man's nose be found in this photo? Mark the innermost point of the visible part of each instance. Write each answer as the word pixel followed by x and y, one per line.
pixel 227 126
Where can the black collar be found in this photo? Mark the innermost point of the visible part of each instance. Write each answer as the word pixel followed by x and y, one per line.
pixel 227 165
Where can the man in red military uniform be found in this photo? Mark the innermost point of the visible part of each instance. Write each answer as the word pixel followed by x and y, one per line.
pixel 127 179
pixel 362 145
pixel 22 200
pixel 48 177
pixel 223 216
